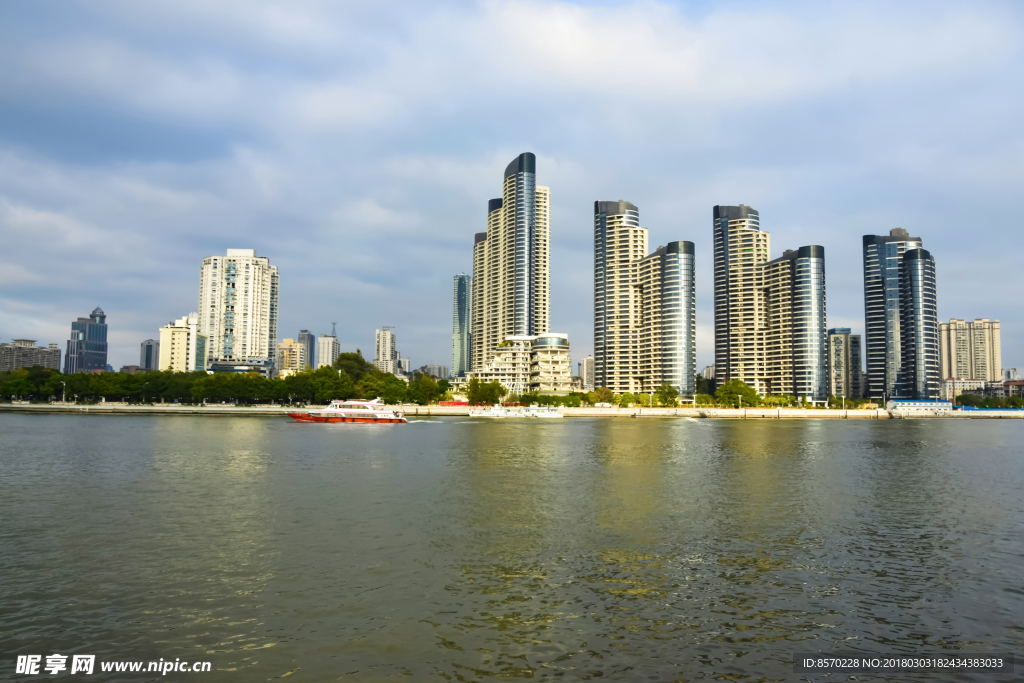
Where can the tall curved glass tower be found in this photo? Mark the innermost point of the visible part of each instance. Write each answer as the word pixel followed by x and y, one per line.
pixel 919 320
pixel 511 263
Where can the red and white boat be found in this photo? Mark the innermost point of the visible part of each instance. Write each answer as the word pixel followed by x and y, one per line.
pixel 352 411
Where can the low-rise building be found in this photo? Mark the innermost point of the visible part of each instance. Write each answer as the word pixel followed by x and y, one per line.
pixel 291 357
pixel 949 389
pixel 182 346
pixel 131 369
pixel 531 363
pixel 911 405
pixel 24 353
pixel 263 366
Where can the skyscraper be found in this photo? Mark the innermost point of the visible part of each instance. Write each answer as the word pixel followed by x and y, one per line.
pixel 666 286
pixel 619 244
pixel 900 300
pixel 238 296
pixel 883 258
pixel 149 355
pixel 291 357
pixel 770 329
pixel 461 310
pixel 308 341
pixel 971 350
pixel 644 306
pixel 795 341
pixel 87 346
pixel 182 345
pixel 919 320
pixel 511 263
pixel 740 247
pixel 844 363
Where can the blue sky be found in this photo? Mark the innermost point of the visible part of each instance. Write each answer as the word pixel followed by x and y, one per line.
pixel 356 144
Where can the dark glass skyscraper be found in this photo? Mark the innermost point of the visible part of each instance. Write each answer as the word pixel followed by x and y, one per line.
pixel 883 328
pixel 919 319
pixel 149 355
pixel 461 336
pixel 308 341
pixel 87 347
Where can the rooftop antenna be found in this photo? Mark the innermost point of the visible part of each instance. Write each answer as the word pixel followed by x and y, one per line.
pixel 333 332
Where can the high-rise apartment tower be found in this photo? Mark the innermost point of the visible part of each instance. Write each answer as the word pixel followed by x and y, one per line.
pixel 386 350
pixel 149 354
pixel 971 350
pixel 327 350
pixel 308 341
pixel 238 296
pixel 461 312
pixel 770 329
pixel 87 346
pixel 899 300
pixel 644 306
pixel 844 363
pixel 511 263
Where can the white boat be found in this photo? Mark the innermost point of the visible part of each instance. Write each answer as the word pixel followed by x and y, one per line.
pixel 497 410
pixel 352 411
pixel 543 411
pixel 505 411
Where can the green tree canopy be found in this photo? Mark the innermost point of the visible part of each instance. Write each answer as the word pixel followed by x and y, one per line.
pixel 666 394
pixel 735 393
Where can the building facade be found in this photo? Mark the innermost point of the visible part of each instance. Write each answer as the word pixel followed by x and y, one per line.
pixel 461 324
pixel 87 346
pixel 183 347
pixel 327 350
pixel 385 357
pixel 844 363
pixel 23 353
pixel 970 350
pixel 644 306
pixel 308 341
pixel 238 298
pixel 883 329
pixel 531 363
pixel 587 374
pixel 510 288
pixel 149 355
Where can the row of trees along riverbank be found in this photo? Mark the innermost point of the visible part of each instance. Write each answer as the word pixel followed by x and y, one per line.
pixel 350 377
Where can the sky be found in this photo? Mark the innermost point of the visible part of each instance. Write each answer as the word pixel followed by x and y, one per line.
pixel 356 145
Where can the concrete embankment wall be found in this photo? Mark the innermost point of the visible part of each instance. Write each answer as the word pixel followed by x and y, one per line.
pixel 455 411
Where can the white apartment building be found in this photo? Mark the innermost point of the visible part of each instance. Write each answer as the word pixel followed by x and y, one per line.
pixel 238 296
pixel 531 363
pixel 291 357
pixel 327 350
pixel 385 357
pixel 970 350
pixel 183 347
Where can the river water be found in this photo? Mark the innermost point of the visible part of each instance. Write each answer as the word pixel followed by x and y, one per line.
pixel 451 549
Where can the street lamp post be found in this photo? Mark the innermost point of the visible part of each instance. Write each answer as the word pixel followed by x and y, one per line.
pixel 63 392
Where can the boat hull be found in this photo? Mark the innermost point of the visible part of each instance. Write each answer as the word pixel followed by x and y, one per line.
pixel 306 417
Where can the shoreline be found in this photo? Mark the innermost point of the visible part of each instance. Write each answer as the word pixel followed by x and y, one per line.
pixel 220 410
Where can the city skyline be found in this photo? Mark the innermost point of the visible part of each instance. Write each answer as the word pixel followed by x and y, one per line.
pixel 124 159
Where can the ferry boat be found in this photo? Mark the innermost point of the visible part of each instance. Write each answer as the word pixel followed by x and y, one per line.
pixel 505 411
pixel 352 411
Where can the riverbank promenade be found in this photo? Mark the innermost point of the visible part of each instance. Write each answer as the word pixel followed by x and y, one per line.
pixel 463 411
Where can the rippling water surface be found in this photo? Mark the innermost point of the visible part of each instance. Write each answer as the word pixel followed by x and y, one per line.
pixel 447 549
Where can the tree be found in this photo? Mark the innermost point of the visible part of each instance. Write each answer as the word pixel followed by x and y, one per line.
pixel 704 400
pixel 354 365
pixel 666 394
pixel 443 386
pixel 627 399
pixel 423 389
pixel 701 384
pixel 604 395
pixel 735 393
